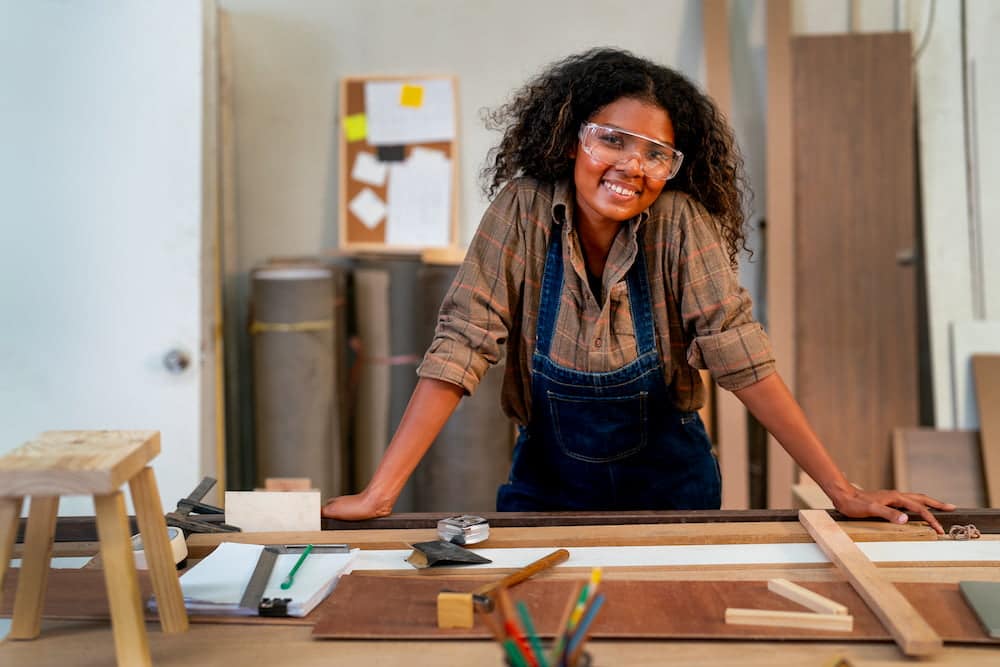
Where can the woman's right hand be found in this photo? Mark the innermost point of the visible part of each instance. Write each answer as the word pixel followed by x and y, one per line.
pixel 355 508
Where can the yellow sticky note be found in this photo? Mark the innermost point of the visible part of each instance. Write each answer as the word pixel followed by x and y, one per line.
pixel 356 127
pixel 411 96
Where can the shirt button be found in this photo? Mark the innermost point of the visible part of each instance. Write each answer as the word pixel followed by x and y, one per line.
pixel 597 342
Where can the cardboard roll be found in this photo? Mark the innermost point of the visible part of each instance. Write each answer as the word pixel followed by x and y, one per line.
pixel 178 548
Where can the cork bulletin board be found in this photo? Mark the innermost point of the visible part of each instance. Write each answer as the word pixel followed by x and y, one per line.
pixel 398 163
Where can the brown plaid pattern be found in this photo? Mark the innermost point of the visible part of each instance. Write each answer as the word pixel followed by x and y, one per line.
pixel 702 315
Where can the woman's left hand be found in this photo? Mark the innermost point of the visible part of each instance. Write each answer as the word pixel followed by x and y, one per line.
pixel 857 504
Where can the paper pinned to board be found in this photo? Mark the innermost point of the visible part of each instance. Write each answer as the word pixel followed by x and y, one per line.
pixel 368 207
pixel 367 169
pixel 389 122
pixel 411 96
pixel 355 127
pixel 419 202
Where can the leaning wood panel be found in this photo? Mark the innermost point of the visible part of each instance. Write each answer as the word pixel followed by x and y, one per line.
pixel 855 309
pixel 986 368
pixel 943 464
pixel 911 632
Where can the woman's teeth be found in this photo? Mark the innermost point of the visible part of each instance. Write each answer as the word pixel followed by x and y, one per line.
pixel 625 192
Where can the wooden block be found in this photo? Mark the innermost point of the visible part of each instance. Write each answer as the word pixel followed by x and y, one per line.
pixel 907 627
pixel 288 484
pixel 76 462
pixel 805 597
pixel 808 495
pixel 454 610
pixel 946 465
pixel 790 619
pixel 121 581
pixel 255 511
pixel 986 369
pixel 33 577
pixel 159 556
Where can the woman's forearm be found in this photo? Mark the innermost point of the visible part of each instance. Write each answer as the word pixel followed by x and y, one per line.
pixel 429 408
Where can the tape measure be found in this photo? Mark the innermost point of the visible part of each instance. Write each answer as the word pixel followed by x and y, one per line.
pixel 463 529
pixel 178 547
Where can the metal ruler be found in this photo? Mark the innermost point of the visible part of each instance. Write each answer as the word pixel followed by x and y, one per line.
pixel 253 594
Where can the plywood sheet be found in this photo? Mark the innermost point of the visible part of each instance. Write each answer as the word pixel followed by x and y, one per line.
pixel 368 607
pixel 942 464
pixel 856 315
pixel 987 371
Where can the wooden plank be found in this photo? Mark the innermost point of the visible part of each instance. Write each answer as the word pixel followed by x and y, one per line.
pixel 943 464
pixel 730 414
pixel 10 510
pixel 780 256
pixel 790 619
pixel 34 568
pixel 76 462
pixel 255 511
pixel 855 239
pixel 987 371
pixel 200 545
pixel 909 629
pixel 805 597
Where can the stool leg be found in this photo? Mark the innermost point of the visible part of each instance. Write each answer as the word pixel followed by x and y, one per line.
pixel 121 580
pixel 34 575
pixel 149 512
pixel 10 512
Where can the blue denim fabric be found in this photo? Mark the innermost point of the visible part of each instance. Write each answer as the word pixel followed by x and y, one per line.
pixel 607 441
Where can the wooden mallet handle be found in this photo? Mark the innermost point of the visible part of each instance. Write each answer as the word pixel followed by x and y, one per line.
pixel 530 570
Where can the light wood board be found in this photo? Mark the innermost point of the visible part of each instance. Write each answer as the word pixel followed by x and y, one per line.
pixel 986 368
pixel 273 510
pixel 942 464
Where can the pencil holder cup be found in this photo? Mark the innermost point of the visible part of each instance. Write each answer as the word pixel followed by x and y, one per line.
pixel 583 660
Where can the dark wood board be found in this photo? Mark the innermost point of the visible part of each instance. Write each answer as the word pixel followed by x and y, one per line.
pixel 381 607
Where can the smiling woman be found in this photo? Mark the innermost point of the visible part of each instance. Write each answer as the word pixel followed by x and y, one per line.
pixel 605 268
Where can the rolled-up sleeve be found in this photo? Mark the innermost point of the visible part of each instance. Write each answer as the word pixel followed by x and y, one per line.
pixel 716 310
pixel 477 312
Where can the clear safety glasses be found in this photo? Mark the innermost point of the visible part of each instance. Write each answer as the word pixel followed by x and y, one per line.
pixel 613 146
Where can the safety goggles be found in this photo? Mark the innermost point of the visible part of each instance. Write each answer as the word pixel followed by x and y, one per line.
pixel 616 147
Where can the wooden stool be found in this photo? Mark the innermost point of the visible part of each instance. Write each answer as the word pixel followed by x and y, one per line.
pixel 98 463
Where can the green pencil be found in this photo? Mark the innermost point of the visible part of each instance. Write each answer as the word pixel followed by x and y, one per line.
pixel 290 579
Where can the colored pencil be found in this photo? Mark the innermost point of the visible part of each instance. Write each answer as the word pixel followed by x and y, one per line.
pixel 513 631
pixel 575 646
pixel 560 640
pixel 529 629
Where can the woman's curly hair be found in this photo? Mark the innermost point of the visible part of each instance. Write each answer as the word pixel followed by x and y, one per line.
pixel 540 126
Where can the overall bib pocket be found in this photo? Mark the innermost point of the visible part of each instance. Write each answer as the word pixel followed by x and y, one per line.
pixel 599 430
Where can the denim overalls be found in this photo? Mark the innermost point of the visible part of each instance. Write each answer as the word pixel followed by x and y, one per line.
pixel 606 441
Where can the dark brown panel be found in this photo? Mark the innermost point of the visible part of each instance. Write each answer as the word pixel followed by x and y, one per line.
pixel 855 307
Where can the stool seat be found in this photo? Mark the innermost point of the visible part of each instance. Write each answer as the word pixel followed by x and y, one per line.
pixel 76 462
pixel 97 463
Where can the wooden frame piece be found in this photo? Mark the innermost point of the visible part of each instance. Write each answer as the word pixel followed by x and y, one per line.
pixel 790 619
pixel 805 597
pixel 986 369
pixel 911 632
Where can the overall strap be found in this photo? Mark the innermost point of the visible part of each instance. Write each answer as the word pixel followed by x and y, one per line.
pixel 640 301
pixel 552 281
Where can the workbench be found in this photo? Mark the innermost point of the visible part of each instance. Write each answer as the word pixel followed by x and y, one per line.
pixel 68 642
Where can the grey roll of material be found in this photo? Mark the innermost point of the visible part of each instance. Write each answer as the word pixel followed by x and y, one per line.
pixel 387 351
pixel 297 311
pixel 471 456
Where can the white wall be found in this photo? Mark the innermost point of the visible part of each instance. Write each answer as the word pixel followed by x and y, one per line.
pixel 290 55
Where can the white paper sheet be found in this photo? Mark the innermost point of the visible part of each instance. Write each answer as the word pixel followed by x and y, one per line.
pixel 390 123
pixel 369 208
pixel 367 169
pixel 419 202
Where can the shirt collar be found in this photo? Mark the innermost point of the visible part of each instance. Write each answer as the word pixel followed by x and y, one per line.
pixel 563 202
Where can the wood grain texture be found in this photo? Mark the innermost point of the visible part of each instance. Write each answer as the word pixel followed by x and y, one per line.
pixel 76 462
pixel 159 555
pixel 986 368
pixel 121 581
pixel 10 510
pixel 908 628
pixel 942 464
pixel 375 607
pixel 790 619
pixel 856 319
pixel 34 573
pixel 199 545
